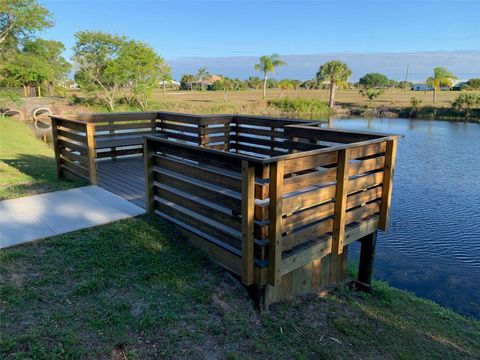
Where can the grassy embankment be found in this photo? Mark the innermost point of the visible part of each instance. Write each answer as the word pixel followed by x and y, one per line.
pixel 135 290
pixel 27 165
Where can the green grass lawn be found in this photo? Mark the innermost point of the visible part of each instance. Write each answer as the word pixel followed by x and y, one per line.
pixel 27 165
pixel 134 289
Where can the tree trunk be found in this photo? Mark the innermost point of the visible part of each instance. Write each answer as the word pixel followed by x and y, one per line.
pixel 265 86
pixel 164 89
pixel 225 95
pixel 25 93
pixel 434 94
pixel 331 100
pixel 39 92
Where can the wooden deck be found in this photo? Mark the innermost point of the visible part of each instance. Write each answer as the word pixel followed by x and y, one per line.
pixel 123 177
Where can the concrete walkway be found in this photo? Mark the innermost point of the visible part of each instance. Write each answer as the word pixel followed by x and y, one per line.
pixel 40 216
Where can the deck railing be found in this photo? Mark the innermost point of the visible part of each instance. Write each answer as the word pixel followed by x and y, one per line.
pixel 276 201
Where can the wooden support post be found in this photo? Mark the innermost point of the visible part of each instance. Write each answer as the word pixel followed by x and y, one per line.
pixel 92 164
pixel 390 155
pixel 202 137
pixel 367 256
pixel 248 207
pixel 56 148
pixel 148 166
pixel 275 225
pixel 112 149
pixel 340 201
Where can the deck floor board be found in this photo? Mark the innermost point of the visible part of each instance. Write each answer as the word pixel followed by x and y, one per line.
pixel 123 177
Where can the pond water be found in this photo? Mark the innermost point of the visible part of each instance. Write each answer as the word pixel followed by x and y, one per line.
pixel 433 244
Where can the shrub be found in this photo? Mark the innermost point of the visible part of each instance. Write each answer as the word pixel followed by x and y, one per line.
pixel 300 105
pixel 466 100
pixel 8 98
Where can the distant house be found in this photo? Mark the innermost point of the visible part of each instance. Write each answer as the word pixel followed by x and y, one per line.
pixel 170 84
pixel 422 87
pixel 460 85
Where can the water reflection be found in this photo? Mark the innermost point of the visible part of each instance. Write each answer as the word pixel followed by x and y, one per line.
pixel 433 244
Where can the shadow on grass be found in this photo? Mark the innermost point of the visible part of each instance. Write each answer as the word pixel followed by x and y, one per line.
pixel 40 175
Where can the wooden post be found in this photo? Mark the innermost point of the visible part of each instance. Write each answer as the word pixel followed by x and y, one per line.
pixel 390 155
pixel 112 149
pixel 92 165
pixel 340 200
pixel 248 207
pixel 148 165
pixel 275 224
pixel 367 256
pixel 56 147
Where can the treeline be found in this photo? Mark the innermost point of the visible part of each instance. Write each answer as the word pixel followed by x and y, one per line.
pixel 112 69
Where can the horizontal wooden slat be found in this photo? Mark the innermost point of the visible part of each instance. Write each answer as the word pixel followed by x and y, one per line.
pixel 119 141
pixel 359 213
pixel 119 152
pixel 265 121
pixel 308 199
pixel 309 233
pixel 366 165
pixel 122 135
pixel 310 162
pixel 81 148
pixel 224 197
pixel 256 131
pixel 182 118
pixel 71 135
pixel 123 126
pixel 185 137
pixel 215 229
pixel 258 150
pixel 330 135
pixel 363 197
pixel 71 125
pixel 198 205
pixel 307 216
pixel 215 130
pixel 74 167
pixel 74 157
pixel 179 127
pixel 367 150
pixel 209 174
pixel 299 182
pixel 364 182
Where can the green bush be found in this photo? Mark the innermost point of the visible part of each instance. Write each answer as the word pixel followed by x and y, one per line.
pixel 300 105
pixel 8 98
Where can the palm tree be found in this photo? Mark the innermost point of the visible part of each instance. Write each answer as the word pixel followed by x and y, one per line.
pixel 441 77
pixel 268 64
pixel 202 75
pixel 336 72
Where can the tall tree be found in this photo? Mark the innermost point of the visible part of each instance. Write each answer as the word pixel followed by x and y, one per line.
pixel 336 72
pixel 441 77
pixel 99 72
pixel 51 52
pixel 144 69
pixel 268 64
pixel 20 18
pixel 26 70
pixel 109 63
pixel 202 76
pixel 165 77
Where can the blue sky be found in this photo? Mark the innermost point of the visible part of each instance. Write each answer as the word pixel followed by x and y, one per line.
pixel 184 30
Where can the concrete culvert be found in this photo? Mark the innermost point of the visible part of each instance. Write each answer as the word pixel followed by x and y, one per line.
pixel 13 113
pixel 41 119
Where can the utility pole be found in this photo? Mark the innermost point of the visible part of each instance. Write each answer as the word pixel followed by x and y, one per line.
pixel 406 78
